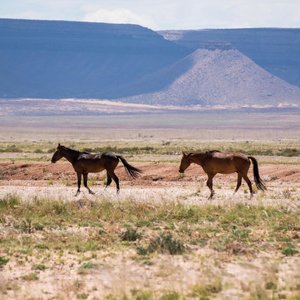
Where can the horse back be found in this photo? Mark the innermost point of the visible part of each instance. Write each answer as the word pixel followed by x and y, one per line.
pixel 93 163
pixel 227 155
pixel 224 162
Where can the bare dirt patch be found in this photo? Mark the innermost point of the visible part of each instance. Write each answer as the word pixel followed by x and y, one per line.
pixel 159 172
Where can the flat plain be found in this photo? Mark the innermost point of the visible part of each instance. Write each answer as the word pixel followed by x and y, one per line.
pixel 160 238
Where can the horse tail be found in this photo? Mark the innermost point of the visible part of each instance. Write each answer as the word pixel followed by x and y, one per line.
pixel 258 181
pixel 131 170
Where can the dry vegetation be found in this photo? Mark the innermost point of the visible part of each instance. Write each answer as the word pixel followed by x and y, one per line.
pixel 160 238
pixel 125 248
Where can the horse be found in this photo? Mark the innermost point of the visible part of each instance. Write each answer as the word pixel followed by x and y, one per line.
pixel 85 162
pixel 214 162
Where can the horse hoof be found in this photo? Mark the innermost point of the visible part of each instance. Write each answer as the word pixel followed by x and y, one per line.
pixel 211 196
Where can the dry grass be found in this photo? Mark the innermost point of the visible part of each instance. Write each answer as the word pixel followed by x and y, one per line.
pixel 132 246
pixel 153 241
pixel 43 150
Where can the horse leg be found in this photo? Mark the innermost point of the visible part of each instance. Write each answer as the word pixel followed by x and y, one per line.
pixel 78 183
pixel 249 184
pixel 209 183
pixel 108 180
pixel 239 181
pixel 116 180
pixel 85 179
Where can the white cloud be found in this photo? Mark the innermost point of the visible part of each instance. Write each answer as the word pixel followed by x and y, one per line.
pixel 162 14
pixel 199 14
pixel 122 15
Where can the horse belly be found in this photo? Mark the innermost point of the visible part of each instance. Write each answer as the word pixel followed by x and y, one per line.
pixel 88 166
pixel 95 169
pixel 223 167
pixel 229 170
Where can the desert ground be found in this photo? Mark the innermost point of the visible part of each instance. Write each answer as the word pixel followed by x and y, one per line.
pixel 160 237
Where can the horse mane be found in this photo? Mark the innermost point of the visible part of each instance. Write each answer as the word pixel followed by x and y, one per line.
pixel 210 152
pixel 76 151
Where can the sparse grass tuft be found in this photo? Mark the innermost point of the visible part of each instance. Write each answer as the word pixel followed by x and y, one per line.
pixel 38 150
pixel 270 285
pixel 289 250
pixel 50 182
pixel 164 243
pixel 170 296
pixel 39 267
pixel 9 201
pixel 82 296
pixel 86 267
pixel 30 277
pixel 41 246
pixel 206 291
pixel 141 295
pixel 130 234
pixel 3 261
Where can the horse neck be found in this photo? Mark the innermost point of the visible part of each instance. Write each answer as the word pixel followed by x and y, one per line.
pixel 70 155
pixel 197 158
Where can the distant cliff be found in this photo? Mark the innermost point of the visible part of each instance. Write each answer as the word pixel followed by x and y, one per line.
pixel 274 49
pixel 218 77
pixel 130 63
pixel 55 59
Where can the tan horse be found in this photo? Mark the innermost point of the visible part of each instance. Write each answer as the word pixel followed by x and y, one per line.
pixel 84 163
pixel 214 162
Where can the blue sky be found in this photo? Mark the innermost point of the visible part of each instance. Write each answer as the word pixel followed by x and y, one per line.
pixel 162 14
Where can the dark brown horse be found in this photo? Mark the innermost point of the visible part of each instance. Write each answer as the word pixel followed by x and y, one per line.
pixel 214 162
pixel 84 163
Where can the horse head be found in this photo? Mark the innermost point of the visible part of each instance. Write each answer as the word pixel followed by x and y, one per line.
pixel 185 162
pixel 58 154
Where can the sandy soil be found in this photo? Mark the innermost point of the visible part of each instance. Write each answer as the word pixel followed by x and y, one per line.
pixel 117 272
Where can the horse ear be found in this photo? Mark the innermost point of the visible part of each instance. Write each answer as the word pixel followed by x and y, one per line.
pixel 183 153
